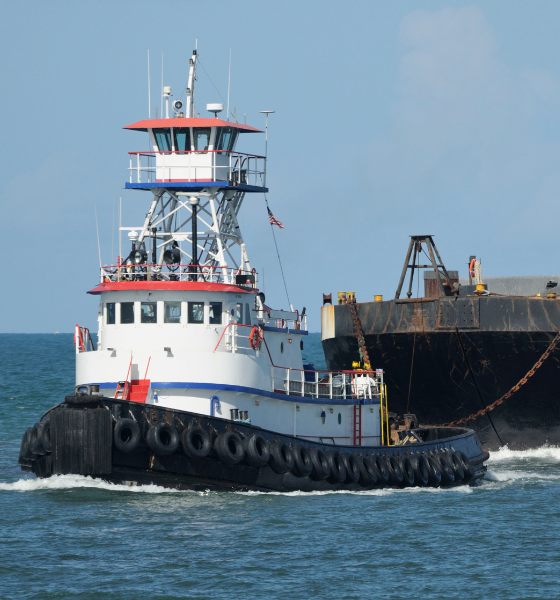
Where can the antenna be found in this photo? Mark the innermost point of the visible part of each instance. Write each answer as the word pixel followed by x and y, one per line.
pixel 149 95
pixel 190 85
pixel 266 112
pixel 120 234
pixel 97 227
pixel 228 83
pixel 162 84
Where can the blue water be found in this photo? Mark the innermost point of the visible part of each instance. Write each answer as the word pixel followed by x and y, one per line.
pixel 72 537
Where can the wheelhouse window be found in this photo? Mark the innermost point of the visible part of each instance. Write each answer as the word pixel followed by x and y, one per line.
pixel 225 139
pixel 127 313
pixel 110 313
pixel 196 312
pixel 182 137
pixel 201 138
pixel 148 312
pixel 163 139
pixel 215 313
pixel 172 312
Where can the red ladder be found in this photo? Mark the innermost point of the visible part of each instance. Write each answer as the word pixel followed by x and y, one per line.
pixel 123 387
pixel 137 389
pixel 357 424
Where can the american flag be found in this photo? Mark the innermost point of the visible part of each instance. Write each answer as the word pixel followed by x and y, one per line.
pixel 273 219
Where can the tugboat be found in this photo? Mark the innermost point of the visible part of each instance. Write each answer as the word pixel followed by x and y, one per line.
pixel 195 382
pixel 476 352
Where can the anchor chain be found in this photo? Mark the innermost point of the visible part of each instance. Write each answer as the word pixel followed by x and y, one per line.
pixel 514 389
pixel 360 333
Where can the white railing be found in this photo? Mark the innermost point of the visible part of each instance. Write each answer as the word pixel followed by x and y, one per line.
pixel 214 165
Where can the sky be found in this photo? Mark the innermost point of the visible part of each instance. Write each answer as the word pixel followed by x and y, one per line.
pixel 392 119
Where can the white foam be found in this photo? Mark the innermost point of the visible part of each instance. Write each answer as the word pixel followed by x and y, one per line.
pixel 514 475
pixel 66 482
pixel 464 489
pixel 504 454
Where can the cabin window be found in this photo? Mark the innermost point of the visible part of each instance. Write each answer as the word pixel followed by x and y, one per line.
pixel 201 139
pixel 225 139
pixel 182 138
pixel 148 312
pixel 215 313
pixel 110 314
pixel 239 313
pixel 172 312
pixel 127 313
pixel 281 347
pixel 163 139
pixel 196 312
pixel 247 315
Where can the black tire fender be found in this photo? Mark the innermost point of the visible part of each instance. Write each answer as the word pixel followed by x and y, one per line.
pixel 196 442
pixel 421 470
pixel 434 472
pixel 229 448
pixel 447 471
pixel 281 458
pixel 395 471
pixel 126 435
pixel 163 438
pixel 337 467
pixel 321 469
pixel 382 469
pixel 257 451
pixel 457 464
pixel 303 465
pixel 407 469
pixel 368 471
pixel 467 465
pixel 352 468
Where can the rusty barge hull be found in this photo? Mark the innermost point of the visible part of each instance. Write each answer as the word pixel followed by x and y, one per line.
pixel 458 355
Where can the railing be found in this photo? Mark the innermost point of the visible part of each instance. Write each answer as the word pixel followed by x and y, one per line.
pixel 83 340
pixel 167 272
pixel 196 165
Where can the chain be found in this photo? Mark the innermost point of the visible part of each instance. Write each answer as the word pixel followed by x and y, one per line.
pixel 360 333
pixel 514 389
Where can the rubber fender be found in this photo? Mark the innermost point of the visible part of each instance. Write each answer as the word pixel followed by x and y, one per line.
pixel 368 471
pixel 196 442
pixel 36 441
pixel 229 448
pixel 352 468
pixel 81 399
pixel 25 454
pixel 303 465
pixel 46 435
pixel 421 470
pixel 281 458
pixel 382 469
pixel 337 467
pixel 457 465
pixel 467 466
pixel 447 472
pixel 163 438
pixel 126 435
pixel 407 470
pixel 257 451
pixel 434 472
pixel 321 469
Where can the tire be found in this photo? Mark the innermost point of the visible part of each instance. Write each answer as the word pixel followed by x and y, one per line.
pixel 196 442
pixel 382 469
pixel 126 435
pixel 281 458
pixel 303 464
pixel 337 467
pixel 368 471
pixel 36 441
pixel 352 468
pixel 395 471
pixel 421 470
pixel 407 469
pixel 229 448
pixel 434 472
pixel 163 439
pixel 257 451
pixel 467 466
pixel 457 465
pixel 447 472
pixel 321 469
pixel 46 436
pixel 25 454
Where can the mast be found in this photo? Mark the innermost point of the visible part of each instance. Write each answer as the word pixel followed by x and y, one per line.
pixel 190 85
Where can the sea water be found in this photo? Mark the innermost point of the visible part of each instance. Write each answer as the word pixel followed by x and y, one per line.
pixel 74 537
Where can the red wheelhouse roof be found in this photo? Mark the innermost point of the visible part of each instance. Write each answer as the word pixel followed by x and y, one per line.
pixel 193 122
pixel 201 286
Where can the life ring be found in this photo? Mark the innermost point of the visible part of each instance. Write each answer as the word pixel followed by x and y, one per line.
pixel 255 337
pixel 471 267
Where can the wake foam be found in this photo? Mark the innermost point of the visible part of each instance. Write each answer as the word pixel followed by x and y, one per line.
pixel 463 489
pixel 504 454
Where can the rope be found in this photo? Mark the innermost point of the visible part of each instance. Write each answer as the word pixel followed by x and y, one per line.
pixel 414 343
pixel 278 254
pixel 514 389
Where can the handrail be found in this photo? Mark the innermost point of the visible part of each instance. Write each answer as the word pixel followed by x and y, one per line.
pixel 154 152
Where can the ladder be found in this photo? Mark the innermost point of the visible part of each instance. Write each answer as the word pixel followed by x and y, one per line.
pixel 136 390
pixel 357 424
pixel 123 388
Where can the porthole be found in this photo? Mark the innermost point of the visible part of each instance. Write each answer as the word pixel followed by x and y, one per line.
pixel 301 345
pixel 281 347
pixel 339 418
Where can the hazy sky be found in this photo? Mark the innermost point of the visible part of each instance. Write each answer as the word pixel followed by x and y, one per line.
pixel 392 119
